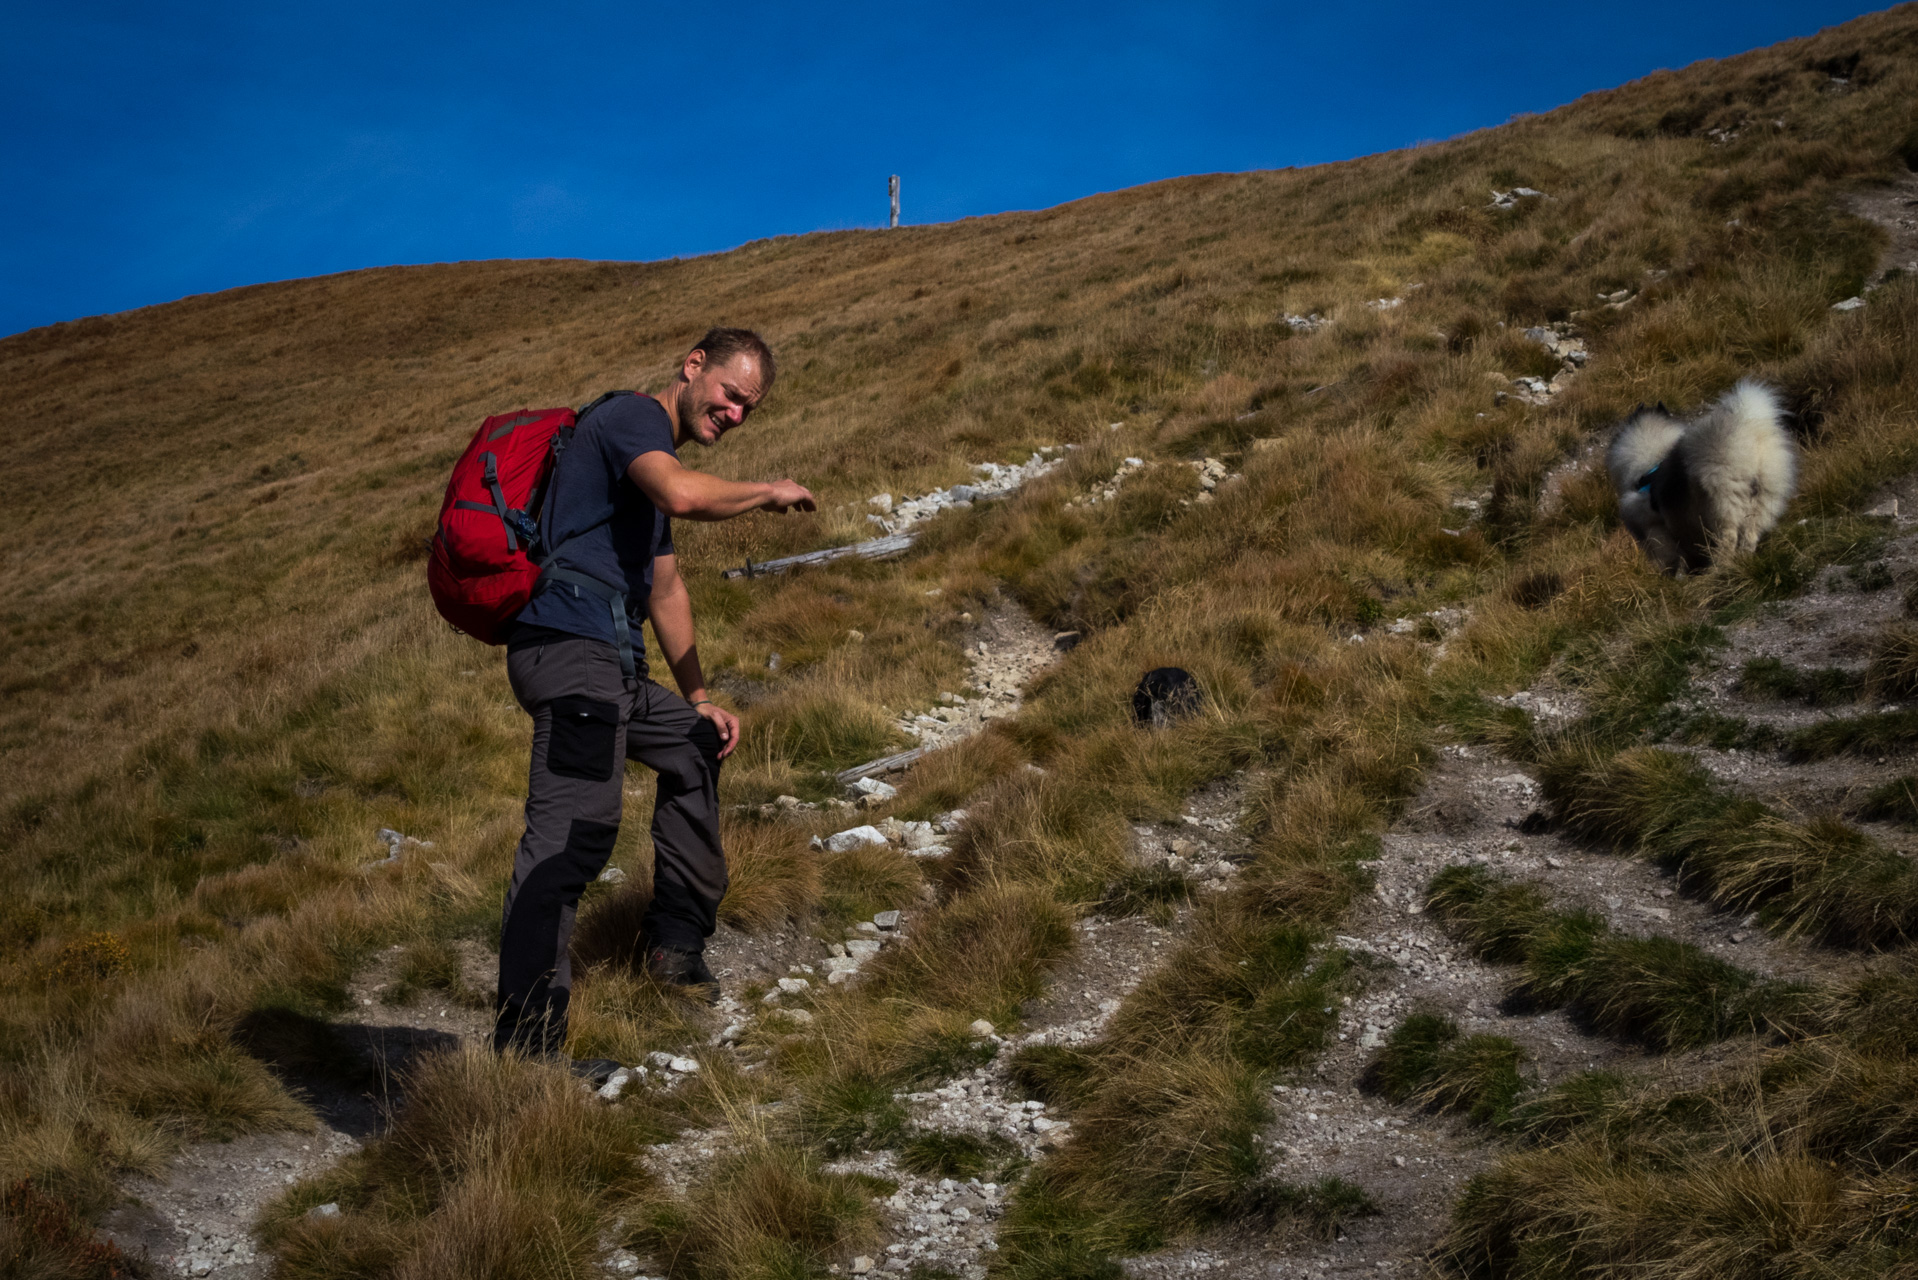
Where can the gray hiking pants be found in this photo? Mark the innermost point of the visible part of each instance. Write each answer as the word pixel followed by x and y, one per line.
pixel 587 722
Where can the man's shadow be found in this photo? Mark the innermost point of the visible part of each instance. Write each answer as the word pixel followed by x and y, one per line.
pixel 352 1075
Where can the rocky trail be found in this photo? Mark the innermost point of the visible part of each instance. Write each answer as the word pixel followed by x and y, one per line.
pixel 1474 809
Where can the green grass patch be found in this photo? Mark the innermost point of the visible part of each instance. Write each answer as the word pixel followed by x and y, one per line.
pixel 932 1153
pixel 1426 1063
pixel 1819 686
pixel 1154 892
pixel 1876 734
pixel 1894 801
pixel 1655 991
pixel 1819 878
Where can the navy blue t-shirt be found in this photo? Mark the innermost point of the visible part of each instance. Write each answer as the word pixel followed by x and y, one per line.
pixel 598 522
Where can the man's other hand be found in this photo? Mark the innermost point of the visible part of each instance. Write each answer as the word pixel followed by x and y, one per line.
pixel 725 722
pixel 789 495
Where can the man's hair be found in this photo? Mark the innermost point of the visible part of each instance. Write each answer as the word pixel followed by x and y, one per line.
pixel 721 345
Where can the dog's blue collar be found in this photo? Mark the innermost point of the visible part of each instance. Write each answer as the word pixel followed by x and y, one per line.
pixel 1645 481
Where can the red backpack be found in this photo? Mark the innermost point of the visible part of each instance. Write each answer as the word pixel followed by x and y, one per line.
pixel 486 553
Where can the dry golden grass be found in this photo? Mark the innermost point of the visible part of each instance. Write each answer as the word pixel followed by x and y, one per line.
pixel 221 674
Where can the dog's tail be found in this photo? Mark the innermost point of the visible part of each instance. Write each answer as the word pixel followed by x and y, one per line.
pixel 1641 443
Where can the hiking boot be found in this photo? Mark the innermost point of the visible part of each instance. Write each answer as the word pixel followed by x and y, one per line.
pixel 679 968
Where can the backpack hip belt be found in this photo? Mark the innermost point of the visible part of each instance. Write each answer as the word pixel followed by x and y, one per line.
pixel 612 596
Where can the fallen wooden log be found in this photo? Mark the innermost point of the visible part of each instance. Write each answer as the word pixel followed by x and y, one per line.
pixel 885 764
pixel 871 549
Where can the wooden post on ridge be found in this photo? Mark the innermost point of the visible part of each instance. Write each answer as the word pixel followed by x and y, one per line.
pixel 893 189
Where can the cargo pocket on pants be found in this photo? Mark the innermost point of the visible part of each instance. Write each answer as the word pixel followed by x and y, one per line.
pixel 585 732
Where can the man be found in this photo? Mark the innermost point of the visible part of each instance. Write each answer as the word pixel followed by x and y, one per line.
pixel 577 666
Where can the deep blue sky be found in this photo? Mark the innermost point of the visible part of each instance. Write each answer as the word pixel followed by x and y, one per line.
pixel 155 151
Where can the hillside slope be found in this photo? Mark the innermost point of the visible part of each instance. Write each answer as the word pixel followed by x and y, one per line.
pixel 221 673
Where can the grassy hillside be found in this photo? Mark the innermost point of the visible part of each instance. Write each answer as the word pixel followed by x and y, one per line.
pixel 221 672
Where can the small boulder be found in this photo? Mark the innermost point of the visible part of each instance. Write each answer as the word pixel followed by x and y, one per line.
pixel 887 920
pixel 980 1028
pixel 855 838
pixel 318 1211
pixel 872 789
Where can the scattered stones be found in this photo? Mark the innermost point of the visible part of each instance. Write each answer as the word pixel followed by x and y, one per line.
pixel 1849 304
pixel 1304 324
pixel 1110 489
pixel 1510 199
pixel 995 480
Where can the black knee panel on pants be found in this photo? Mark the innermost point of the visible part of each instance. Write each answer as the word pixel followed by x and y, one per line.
pixel 529 940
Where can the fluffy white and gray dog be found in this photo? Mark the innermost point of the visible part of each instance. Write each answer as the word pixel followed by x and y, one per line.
pixel 1689 491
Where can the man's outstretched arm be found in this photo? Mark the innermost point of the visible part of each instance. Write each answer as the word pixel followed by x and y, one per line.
pixel 671 610
pixel 694 495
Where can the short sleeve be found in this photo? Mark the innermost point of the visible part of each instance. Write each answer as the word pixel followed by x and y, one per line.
pixel 631 426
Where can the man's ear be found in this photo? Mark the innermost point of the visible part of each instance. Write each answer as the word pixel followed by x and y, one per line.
pixel 693 365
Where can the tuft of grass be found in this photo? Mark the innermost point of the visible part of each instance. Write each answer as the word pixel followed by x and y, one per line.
pixel 1056 1074
pixel 1817 878
pixel 1878 733
pixel 1894 801
pixel 1154 892
pixel 1424 1062
pixel 850 1111
pixel 1656 991
pixel 493 1166
pixel 1820 687
pixel 41 1236
pixel 765 1211
pixel 935 1154
pixel 1317 1210
pixel 859 883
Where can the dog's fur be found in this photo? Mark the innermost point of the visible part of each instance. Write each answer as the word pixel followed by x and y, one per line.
pixel 1691 491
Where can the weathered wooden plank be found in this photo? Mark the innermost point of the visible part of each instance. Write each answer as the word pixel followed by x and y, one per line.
pixel 885 764
pixel 871 549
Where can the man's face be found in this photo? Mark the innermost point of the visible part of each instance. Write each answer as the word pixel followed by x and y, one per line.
pixel 717 398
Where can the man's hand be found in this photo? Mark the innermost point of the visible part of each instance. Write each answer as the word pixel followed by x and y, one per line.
pixel 790 495
pixel 725 722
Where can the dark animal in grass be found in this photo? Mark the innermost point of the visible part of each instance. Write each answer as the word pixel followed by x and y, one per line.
pixel 1693 491
pixel 1166 694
